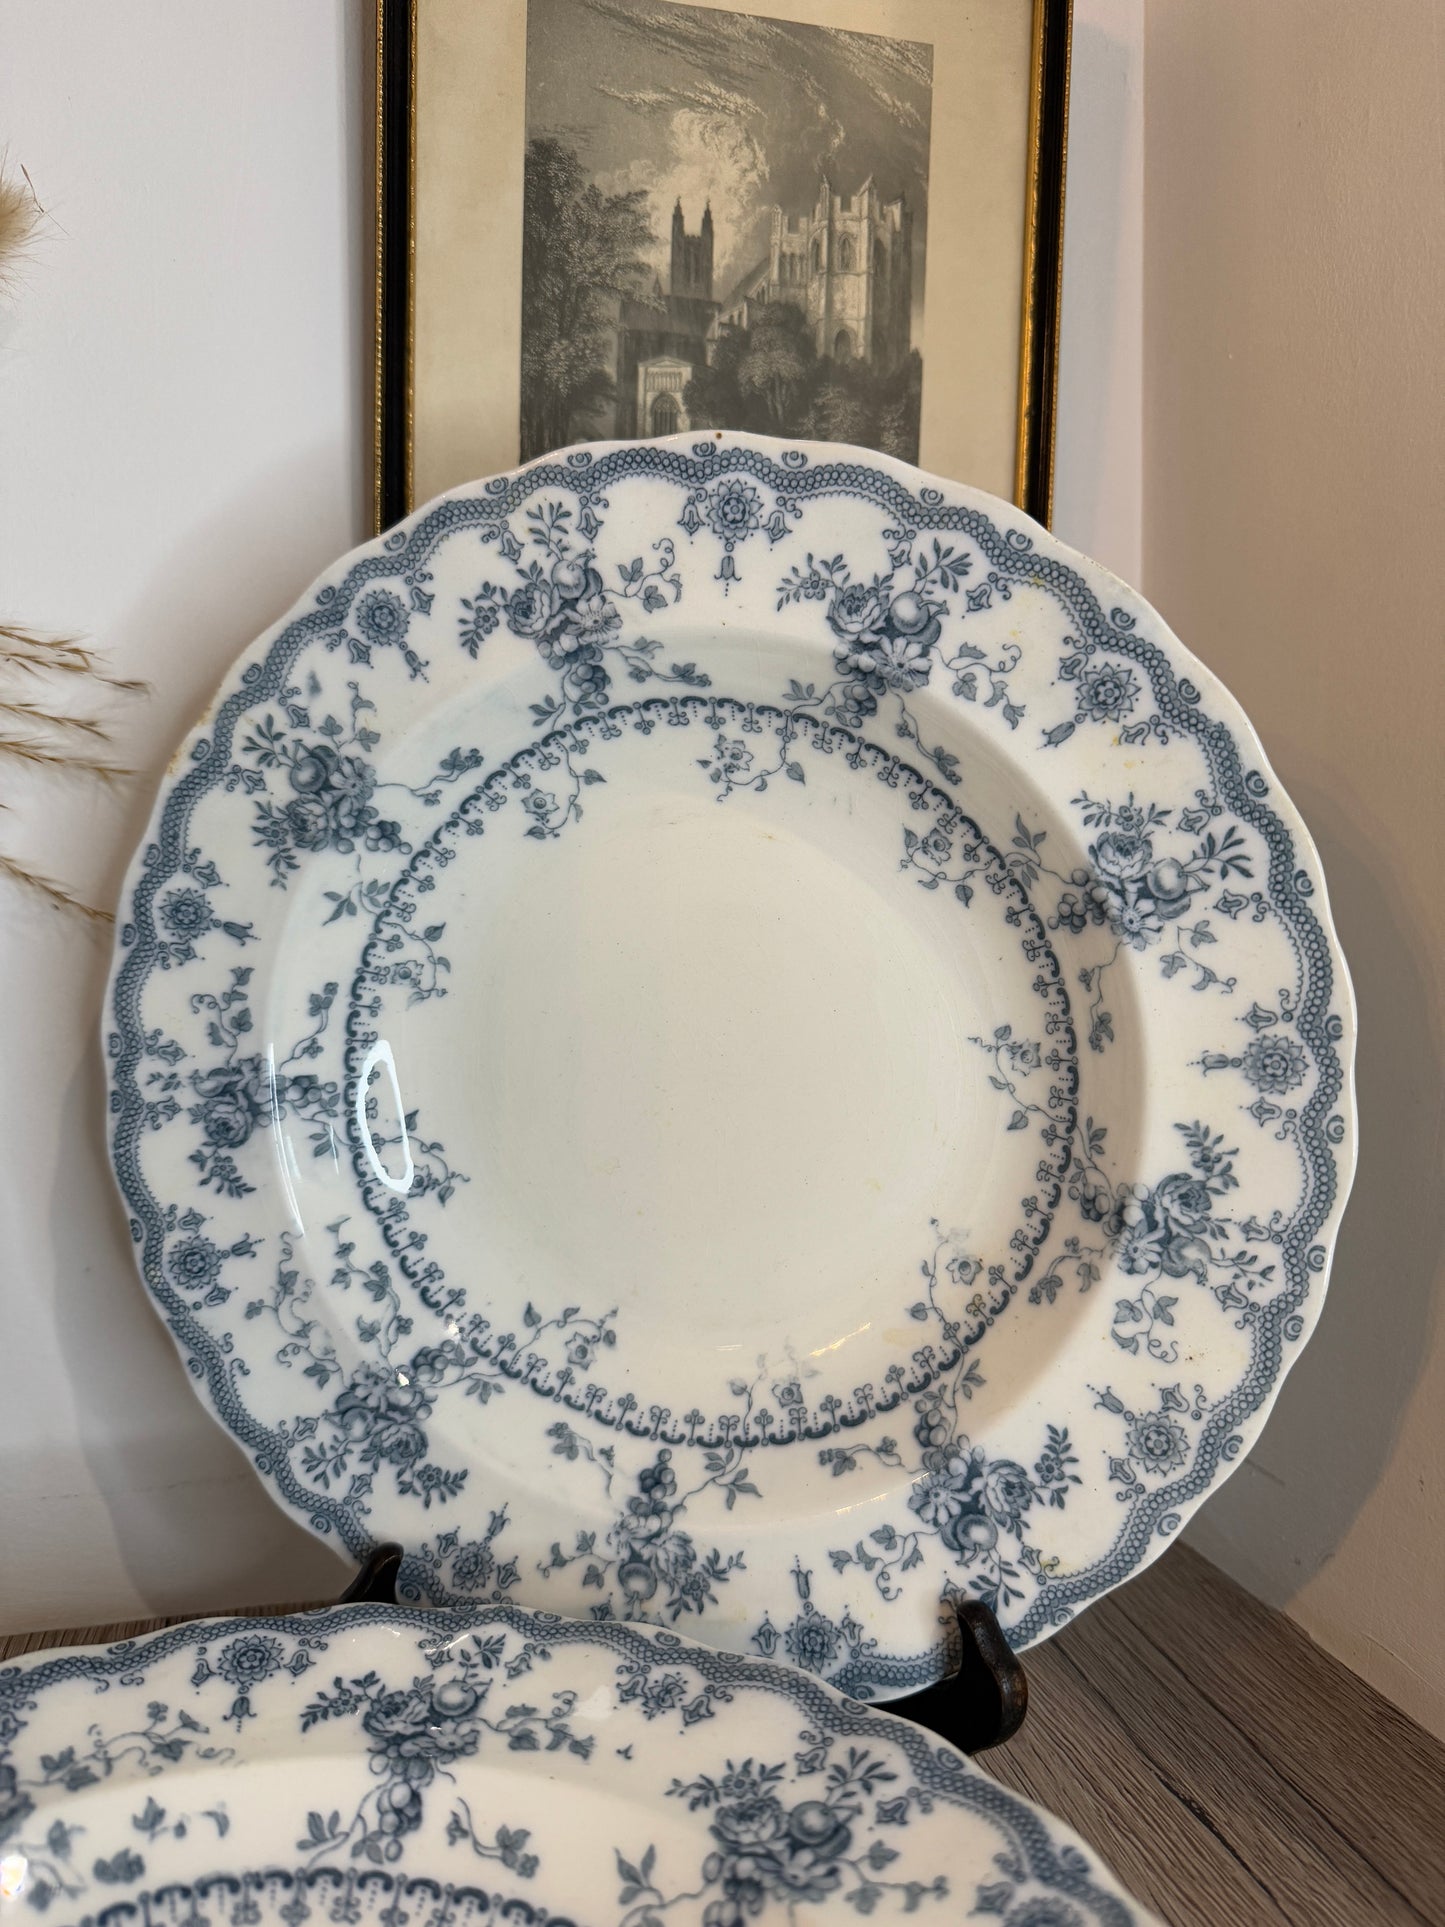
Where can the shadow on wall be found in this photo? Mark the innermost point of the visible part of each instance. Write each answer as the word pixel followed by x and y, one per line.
pixel 1096 467
pixel 138 1500
pixel 192 1528
pixel 1335 1426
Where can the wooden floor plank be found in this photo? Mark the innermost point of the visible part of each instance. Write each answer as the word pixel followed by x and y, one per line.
pixel 1375 1776
pixel 1074 1757
pixel 1317 1877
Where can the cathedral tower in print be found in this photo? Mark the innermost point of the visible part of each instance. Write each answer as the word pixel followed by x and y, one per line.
pixel 848 264
pixel 691 256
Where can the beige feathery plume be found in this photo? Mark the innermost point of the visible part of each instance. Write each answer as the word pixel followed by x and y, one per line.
pixel 57 655
pixel 38 674
pixel 19 222
pixel 54 893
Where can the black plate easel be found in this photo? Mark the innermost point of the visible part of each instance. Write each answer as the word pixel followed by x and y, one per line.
pixel 981 1705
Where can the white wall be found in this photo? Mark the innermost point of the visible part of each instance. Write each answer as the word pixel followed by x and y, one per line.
pixel 1099 482
pixel 183 446
pixel 1295 454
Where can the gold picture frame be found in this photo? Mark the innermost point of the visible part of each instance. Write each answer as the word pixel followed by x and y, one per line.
pixel 403 40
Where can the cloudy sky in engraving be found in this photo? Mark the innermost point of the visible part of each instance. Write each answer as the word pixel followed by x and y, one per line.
pixel 747 111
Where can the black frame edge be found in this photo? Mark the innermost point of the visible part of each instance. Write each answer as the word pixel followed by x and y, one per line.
pixel 1047 292
pixel 395 146
pixel 395 52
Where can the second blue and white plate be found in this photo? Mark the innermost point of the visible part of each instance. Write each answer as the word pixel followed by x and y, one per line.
pixel 465 1768
pixel 728 1034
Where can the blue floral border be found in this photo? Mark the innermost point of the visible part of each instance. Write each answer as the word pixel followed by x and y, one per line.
pixel 939 1769
pixel 1244 790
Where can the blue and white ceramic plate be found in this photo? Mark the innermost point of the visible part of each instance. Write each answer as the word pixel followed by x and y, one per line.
pixel 727 1034
pixel 459 1768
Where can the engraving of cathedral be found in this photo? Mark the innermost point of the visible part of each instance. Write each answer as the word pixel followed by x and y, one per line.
pixel 846 265
pixel 662 338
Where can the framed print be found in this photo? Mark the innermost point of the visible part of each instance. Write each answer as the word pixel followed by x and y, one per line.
pixel 840 220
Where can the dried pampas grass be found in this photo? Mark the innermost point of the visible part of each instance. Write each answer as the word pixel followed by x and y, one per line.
pixel 53 893
pixel 42 676
pixel 57 656
pixel 39 677
pixel 20 215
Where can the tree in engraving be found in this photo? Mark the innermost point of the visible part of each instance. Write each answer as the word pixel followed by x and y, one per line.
pixel 581 254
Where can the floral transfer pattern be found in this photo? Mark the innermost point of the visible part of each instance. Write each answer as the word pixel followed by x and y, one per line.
pixel 936 620
pixel 186 914
pixel 732 510
pixel 376 1423
pixel 653 1567
pixel 886 630
pixel 766 1849
pixel 124 1782
pixel 559 602
pixel 1140 886
pixel 401 966
pixel 317 788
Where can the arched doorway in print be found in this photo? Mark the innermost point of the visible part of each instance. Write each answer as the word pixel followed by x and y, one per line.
pixel 842 345
pixel 661 405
